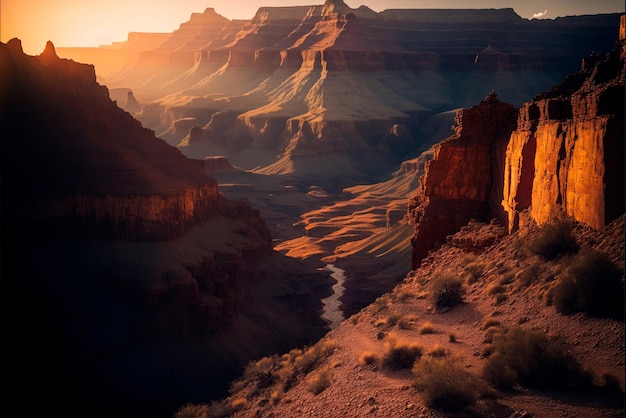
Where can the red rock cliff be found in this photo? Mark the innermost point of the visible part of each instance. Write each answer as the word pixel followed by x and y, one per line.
pixel 567 154
pixel 458 182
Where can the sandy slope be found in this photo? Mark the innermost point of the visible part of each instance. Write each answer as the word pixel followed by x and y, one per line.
pixel 358 390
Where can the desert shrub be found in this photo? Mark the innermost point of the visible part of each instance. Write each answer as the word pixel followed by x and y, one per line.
pixel 592 284
pixel 321 381
pixel 427 327
pixel 555 239
pixel 438 351
pixel 407 321
pixel 530 359
pixel 403 295
pixel 262 372
pixel 500 298
pixel 313 355
pixel 490 322
pixel 276 396
pixel 400 354
pixel 379 304
pixel 474 271
pixel 489 333
pixel 446 290
pixel 194 411
pixel 239 404
pixel 392 319
pixel 452 338
pixel 369 357
pixel 445 384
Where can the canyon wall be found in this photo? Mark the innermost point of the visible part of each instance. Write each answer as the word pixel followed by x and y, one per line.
pixel 563 157
pixel 458 181
pixel 149 288
pixel 296 82
pixel 567 152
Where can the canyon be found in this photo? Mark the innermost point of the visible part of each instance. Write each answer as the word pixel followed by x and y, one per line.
pixel 174 209
pixel 294 87
pixel 141 284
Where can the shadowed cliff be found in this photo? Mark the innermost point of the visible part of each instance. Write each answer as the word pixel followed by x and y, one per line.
pixel 139 285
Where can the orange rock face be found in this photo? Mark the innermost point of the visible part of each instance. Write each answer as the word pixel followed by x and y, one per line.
pixel 457 183
pixel 567 152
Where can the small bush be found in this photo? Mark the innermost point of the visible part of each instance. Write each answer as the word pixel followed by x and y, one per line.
pixel 490 322
pixel 379 304
pixel 263 371
pixel 531 359
pixel 446 290
pixel 239 404
pixel 403 295
pixel 506 278
pixel 500 298
pixel 554 240
pixel 445 384
pixel 311 357
pixel 407 321
pixel 400 354
pixel 474 271
pixel 427 327
pixel 592 284
pixel 451 338
pixel 392 319
pixel 321 381
pixel 438 351
pixel 194 411
pixel 369 357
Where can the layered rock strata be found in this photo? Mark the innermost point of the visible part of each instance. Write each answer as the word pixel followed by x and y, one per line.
pixel 564 157
pixel 458 181
pixel 567 152
pixel 296 82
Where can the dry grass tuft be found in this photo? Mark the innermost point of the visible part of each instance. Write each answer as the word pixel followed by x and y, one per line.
pixel 427 327
pixel 400 354
pixel 369 357
pixel 445 384
pixel 321 381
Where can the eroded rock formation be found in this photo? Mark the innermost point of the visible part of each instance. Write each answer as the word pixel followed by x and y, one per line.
pixel 567 152
pixel 459 180
pixel 299 82
pixel 565 157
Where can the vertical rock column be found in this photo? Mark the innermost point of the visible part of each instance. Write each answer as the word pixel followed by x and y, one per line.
pixel 460 179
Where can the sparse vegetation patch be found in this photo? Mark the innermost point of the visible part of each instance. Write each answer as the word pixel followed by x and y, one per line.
pixel 446 290
pixel 400 354
pixel 445 384
pixel 554 240
pixel 531 359
pixel 591 284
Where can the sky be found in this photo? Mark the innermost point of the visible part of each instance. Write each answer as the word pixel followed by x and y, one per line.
pixel 101 22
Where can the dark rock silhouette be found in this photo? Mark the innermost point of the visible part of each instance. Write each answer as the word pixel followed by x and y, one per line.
pixel 142 286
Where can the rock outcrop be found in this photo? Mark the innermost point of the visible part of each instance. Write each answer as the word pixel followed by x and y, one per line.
pixel 567 154
pixel 459 180
pixel 564 157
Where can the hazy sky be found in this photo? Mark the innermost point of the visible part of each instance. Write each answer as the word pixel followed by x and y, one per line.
pixel 97 22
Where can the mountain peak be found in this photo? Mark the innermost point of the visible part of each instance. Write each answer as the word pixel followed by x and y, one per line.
pixel 49 51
